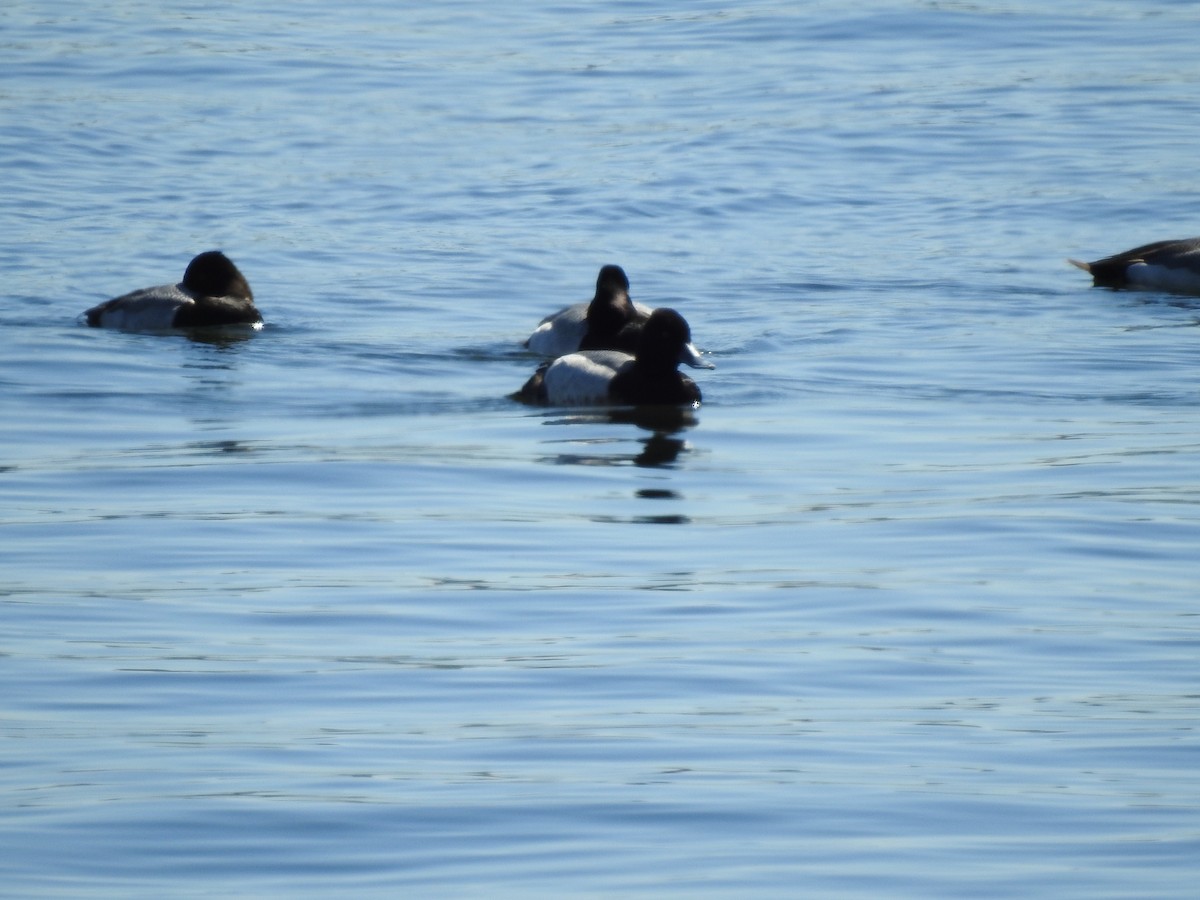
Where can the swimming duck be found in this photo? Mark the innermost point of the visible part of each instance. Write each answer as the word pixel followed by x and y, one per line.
pixel 213 292
pixel 564 331
pixel 611 321
pixel 1172 266
pixel 649 376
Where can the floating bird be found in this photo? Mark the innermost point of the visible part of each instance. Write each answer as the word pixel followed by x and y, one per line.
pixel 213 292
pixel 1172 266
pixel 611 321
pixel 649 376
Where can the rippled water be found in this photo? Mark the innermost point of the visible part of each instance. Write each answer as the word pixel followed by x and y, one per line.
pixel 907 608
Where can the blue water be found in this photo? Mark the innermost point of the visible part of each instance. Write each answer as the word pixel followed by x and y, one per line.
pixel 908 608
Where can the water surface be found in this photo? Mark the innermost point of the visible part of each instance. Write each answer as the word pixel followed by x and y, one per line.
pixel 907 608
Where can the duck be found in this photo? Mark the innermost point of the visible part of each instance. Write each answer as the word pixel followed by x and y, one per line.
pixel 648 376
pixel 610 321
pixel 564 331
pixel 1172 266
pixel 212 292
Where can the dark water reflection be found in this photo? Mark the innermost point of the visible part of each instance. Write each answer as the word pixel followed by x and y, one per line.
pixel 660 450
pixel 223 337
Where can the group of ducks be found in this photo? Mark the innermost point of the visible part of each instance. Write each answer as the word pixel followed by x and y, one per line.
pixel 613 350
pixel 610 350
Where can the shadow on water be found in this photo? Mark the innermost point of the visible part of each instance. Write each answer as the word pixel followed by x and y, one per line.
pixel 661 518
pixel 661 449
pixel 224 337
pixel 657 451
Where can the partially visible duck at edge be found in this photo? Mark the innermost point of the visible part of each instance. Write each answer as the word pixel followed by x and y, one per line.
pixel 611 321
pixel 1172 266
pixel 650 376
pixel 213 292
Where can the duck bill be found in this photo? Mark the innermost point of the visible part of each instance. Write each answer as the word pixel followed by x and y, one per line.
pixel 690 356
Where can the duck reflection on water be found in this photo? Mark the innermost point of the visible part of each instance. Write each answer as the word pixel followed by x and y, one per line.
pixel 658 450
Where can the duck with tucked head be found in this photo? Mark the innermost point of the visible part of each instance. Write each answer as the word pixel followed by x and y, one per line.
pixel 1172 266
pixel 650 376
pixel 213 292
